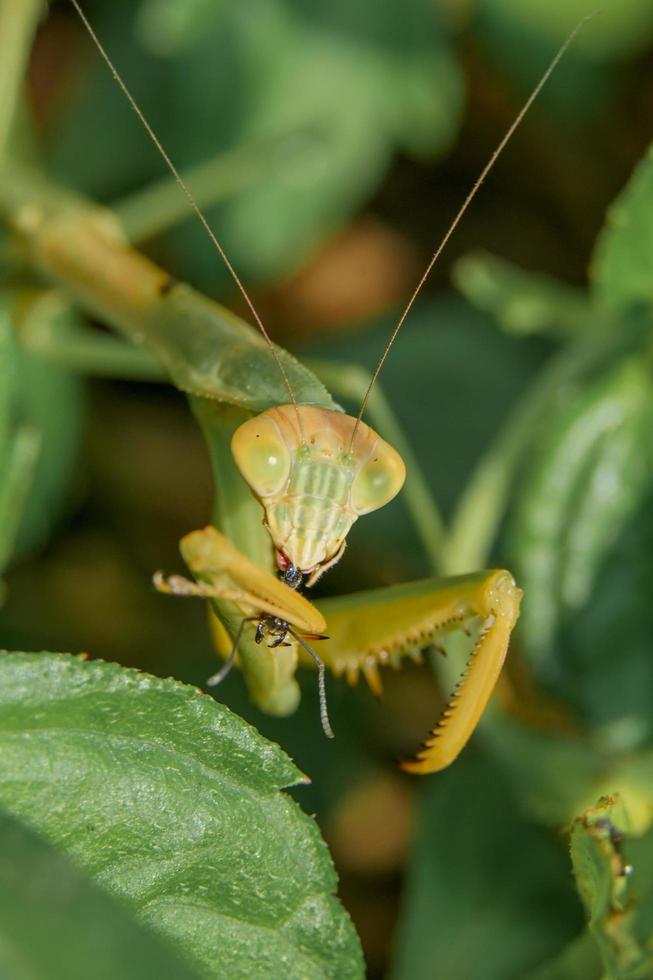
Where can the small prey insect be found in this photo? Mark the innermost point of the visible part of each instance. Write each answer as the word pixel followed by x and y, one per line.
pixel 293 473
pixel 222 573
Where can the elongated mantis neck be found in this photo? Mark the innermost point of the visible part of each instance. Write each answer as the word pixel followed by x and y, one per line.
pixel 193 203
pixel 463 208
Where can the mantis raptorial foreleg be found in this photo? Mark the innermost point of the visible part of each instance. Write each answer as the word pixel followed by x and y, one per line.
pixel 265 604
pixel 372 629
pixel 380 627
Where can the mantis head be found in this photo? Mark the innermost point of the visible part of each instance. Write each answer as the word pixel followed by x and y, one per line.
pixel 315 471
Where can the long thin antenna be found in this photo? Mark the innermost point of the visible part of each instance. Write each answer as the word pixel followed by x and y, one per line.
pixel 468 200
pixel 324 715
pixel 191 200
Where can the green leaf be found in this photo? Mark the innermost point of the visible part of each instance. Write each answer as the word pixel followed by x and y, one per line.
pixel 557 774
pixel 7 372
pixel 487 895
pixel 618 29
pixel 604 651
pixel 40 428
pixel 553 775
pixel 522 302
pixel 172 803
pixel 521 39
pixel 621 264
pixel 590 471
pixel 18 461
pixel 56 925
pixel 166 26
pixel 366 77
pixel 19 445
pixel 347 83
pixel 603 879
pixel 639 854
pixel 577 961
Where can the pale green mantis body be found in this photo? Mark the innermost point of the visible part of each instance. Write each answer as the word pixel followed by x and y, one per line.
pixel 292 474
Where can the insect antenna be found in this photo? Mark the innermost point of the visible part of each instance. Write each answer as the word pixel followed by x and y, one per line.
pixel 324 714
pixel 463 208
pixel 193 203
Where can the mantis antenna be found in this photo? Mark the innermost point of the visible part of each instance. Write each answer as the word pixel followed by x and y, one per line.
pixel 461 211
pixel 193 203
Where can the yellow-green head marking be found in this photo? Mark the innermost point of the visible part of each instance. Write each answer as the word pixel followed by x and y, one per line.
pixel 313 483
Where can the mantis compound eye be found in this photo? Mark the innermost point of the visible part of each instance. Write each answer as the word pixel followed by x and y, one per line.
pixel 379 479
pixel 261 455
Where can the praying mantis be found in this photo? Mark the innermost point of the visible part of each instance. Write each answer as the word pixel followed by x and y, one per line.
pixel 293 472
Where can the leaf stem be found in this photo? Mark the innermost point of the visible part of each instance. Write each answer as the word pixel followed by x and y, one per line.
pixel 159 206
pixel 18 21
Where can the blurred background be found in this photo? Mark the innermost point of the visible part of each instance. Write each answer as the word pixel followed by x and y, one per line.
pixel 336 141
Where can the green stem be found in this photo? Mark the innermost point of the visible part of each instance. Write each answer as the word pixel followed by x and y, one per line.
pixel 18 21
pixel 159 206
pixel 54 330
pixel 19 464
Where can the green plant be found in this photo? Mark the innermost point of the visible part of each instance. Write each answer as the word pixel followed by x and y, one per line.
pixel 169 807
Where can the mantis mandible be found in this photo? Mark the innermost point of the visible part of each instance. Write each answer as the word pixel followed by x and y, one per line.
pixel 293 473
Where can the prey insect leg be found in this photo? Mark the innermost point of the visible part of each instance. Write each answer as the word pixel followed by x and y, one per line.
pixel 220 675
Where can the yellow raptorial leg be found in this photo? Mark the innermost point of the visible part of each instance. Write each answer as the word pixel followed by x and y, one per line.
pixel 238 589
pixel 383 626
pixel 469 700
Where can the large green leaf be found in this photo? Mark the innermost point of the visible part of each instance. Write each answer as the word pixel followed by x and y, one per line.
pixel 589 472
pixel 621 264
pixel 51 401
pixel 557 772
pixel 172 803
pixel 552 774
pixel 56 925
pixel 620 29
pixel 19 445
pixel 41 409
pixel 579 960
pixel 488 895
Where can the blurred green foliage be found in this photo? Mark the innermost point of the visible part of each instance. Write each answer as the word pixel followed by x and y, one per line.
pixel 464 897
pixel 347 84
pixel 527 397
